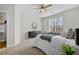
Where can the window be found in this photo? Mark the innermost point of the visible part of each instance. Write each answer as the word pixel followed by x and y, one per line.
pixel 56 25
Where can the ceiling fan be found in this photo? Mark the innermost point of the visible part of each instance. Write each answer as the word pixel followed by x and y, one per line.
pixel 44 7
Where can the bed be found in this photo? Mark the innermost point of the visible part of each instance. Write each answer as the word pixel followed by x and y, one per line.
pixel 53 46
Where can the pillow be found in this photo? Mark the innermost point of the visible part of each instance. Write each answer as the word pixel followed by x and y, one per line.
pixel 46 37
pixel 58 41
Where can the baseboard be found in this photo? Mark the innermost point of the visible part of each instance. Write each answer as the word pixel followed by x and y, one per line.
pixel 12 45
pixel 17 43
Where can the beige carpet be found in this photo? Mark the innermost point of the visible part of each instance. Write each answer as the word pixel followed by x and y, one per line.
pixel 23 48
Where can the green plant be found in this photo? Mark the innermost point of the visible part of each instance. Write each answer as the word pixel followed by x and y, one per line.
pixel 68 50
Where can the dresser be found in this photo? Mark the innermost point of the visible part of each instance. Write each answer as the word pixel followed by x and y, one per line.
pixel 33 34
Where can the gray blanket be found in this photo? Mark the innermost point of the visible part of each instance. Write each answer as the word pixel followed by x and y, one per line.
pixel 47 37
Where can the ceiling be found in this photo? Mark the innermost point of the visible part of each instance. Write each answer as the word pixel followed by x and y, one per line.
pixel 56 8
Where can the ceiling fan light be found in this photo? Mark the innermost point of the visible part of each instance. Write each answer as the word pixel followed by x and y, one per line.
pixel 41 10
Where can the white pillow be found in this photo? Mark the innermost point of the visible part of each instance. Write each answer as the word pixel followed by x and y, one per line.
pixel 57 42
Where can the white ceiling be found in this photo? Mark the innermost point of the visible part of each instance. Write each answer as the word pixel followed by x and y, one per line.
pixel 56 8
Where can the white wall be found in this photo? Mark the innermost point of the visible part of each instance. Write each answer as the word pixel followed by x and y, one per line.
pixel 17 25
pixel 71 19
pixel 27 16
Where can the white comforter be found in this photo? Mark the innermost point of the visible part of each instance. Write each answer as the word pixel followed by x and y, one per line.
pixel 54 47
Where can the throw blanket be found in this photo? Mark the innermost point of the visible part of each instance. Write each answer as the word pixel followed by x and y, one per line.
pixel 47 37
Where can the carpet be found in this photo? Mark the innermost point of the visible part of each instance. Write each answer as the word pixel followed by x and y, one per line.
pixel 25 47
pixel 27 51
pixel 31 51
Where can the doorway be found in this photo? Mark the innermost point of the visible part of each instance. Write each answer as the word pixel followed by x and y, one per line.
pixel 3 30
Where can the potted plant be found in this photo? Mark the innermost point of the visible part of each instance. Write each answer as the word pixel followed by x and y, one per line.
pixel 68 50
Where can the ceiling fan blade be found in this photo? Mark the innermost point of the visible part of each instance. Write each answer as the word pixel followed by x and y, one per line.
pixel 43 7
pixel 48 5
